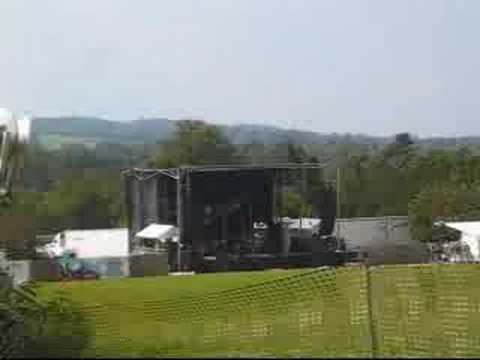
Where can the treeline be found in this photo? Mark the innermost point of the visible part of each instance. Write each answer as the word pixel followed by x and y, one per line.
pixel 404 180
pixel 73 187
pixel 81 188
pixel 83 199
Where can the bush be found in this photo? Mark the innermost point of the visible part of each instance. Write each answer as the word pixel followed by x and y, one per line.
pixel 30 329
pixel 21 320
pixel 64 334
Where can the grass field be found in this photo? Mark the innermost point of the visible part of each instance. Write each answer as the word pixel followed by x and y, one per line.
pixel 115 291
pixel 124 313
pixel 394 311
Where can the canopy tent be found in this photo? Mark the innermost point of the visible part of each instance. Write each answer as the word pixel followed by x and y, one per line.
pixel 160 232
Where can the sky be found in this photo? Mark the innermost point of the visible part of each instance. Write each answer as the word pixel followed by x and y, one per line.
pixel 375 67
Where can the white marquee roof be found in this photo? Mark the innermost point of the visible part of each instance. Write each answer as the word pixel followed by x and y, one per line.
pixel 159 232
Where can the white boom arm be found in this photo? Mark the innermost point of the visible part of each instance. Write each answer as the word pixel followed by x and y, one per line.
pixel 14 135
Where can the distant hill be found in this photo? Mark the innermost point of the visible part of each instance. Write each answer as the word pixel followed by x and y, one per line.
pixel 55 131
pixel 247 133
pixel 91 131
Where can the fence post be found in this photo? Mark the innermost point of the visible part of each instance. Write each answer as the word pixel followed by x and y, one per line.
pixel 371 320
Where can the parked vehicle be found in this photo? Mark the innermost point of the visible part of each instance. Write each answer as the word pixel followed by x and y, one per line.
pixel 74 268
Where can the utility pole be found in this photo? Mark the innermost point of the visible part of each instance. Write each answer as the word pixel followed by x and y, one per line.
pixel 180 215
pixel 338 191
pixel 338 199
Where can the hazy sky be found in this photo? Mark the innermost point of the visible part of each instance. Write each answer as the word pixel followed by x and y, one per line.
pixel 366 66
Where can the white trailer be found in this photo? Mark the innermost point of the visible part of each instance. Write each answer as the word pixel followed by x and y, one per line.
pixel 96 243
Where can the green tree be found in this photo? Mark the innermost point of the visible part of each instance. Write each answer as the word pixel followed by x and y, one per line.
pixel 195 143
pixel 403 139
pixel 442 201
pixel 379 184
pixel 85 201
pixel 294 205
pixel 19 223
pixel 297 154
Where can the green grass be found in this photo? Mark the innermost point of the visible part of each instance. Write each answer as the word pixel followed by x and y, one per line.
pixel 427 310
pixel 125 314
pixel 419 311
pixel 115 291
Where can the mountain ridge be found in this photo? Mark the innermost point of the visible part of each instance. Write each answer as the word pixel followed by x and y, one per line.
pixel 152 130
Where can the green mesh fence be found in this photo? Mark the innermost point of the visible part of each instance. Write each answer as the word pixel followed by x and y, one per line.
pixel 308 314
pixel 401 311
pixel 426 310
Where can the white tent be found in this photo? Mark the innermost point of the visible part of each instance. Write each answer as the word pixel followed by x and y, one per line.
pixel 470 235
pixel 160 232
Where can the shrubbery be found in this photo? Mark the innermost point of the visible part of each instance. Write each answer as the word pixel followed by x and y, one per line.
pixel 65 332
pixel 31 329
pixel 21 320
